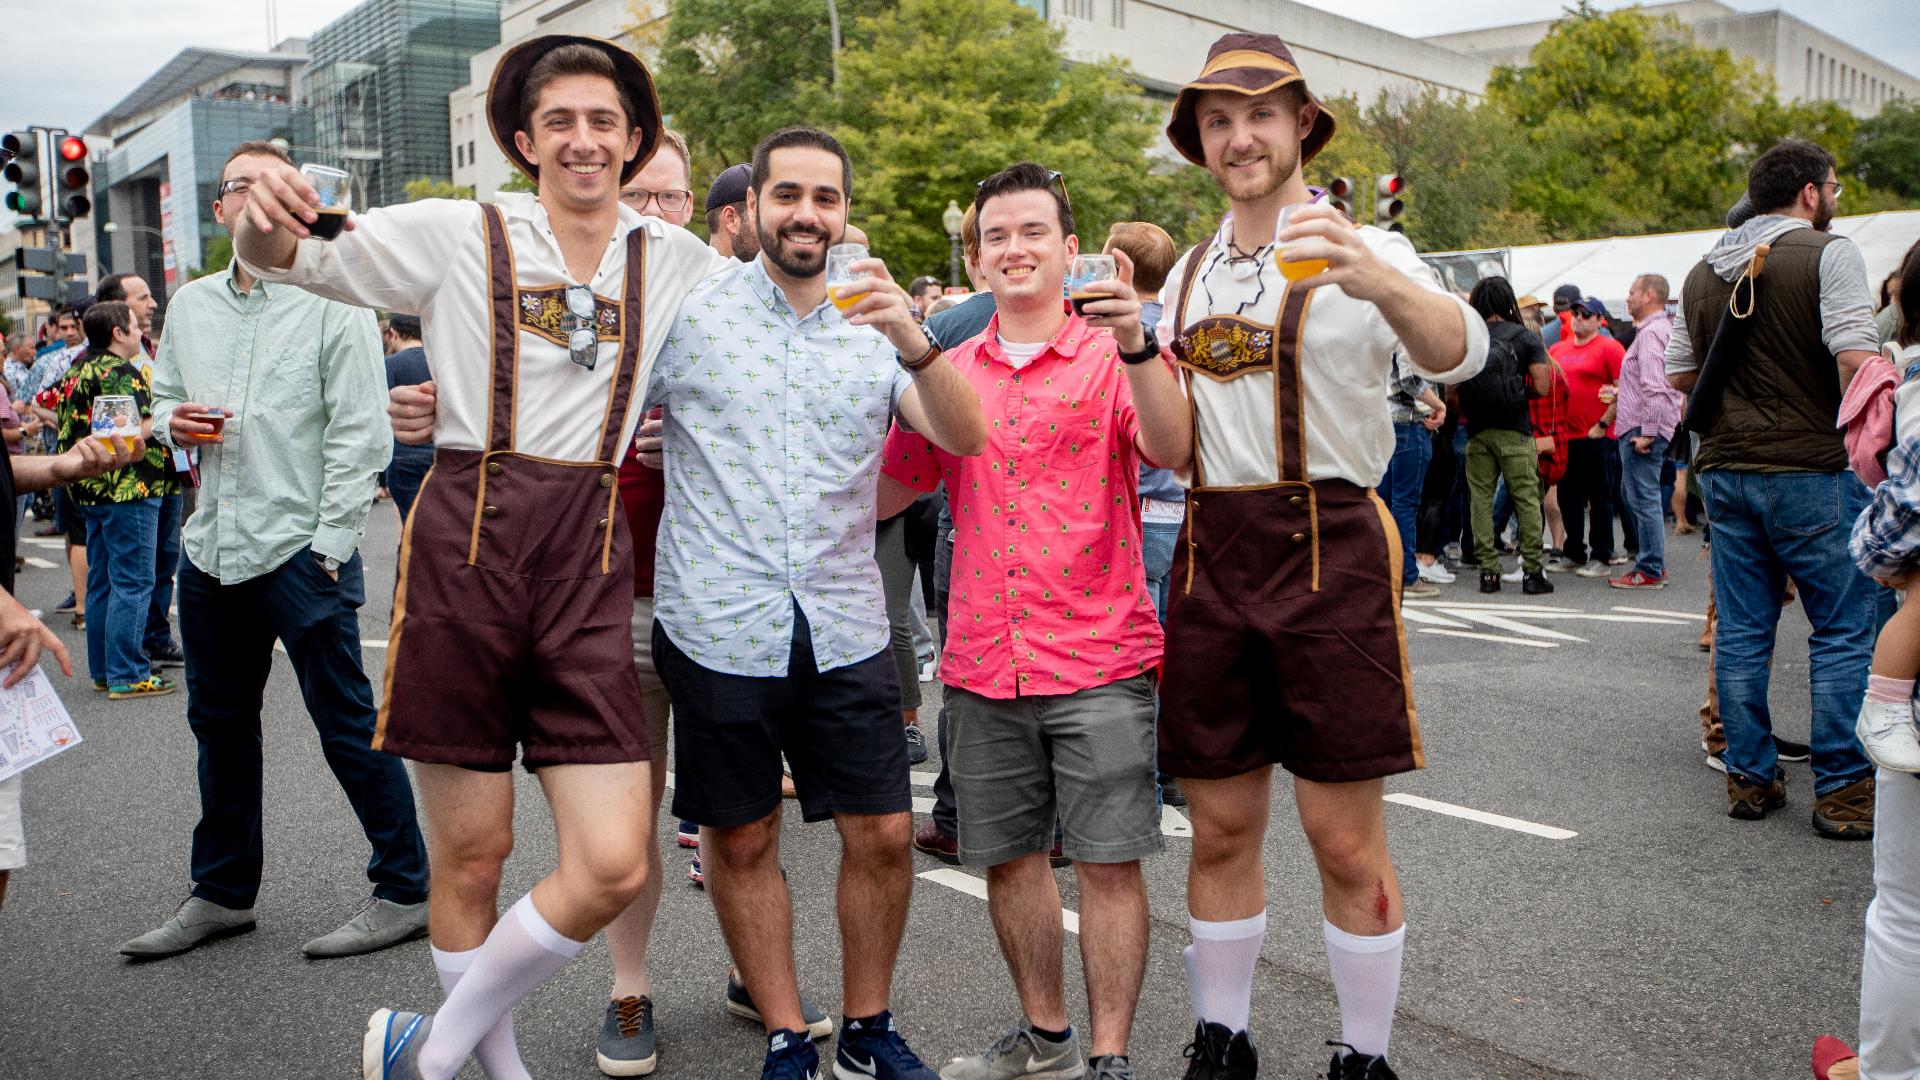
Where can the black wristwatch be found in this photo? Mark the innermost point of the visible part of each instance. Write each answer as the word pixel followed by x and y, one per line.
pixel 1147 351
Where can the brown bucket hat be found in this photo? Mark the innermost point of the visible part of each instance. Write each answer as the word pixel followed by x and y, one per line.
pixel 510 78
pixel 1250 64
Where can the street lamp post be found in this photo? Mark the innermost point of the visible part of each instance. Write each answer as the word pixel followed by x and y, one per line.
pixel 952 219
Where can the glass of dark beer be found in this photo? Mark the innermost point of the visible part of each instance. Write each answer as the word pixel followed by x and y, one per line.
pixel 1086 270
pixel 213 415
pixel 335 199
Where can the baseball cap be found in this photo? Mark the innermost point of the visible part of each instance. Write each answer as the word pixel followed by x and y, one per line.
pixel 729 187
pixel 1592 306
pixel 1565 297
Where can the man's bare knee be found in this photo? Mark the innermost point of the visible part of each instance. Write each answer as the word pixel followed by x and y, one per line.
pixel 1348 854
pixel 743 846
pixel 1110 878
pixel 876 837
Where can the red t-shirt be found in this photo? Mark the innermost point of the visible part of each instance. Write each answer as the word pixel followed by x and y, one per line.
pixel 643 495
pixel 1588 368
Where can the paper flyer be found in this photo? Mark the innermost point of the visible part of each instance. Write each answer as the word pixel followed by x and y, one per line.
pixel 34 725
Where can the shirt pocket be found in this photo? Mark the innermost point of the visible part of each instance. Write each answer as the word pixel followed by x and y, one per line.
pixel 289 379
pixel 1072 438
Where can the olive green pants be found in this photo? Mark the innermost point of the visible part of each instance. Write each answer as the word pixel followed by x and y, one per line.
pixel 1493 454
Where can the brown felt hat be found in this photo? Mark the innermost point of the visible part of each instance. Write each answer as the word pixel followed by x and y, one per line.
pixel 510 78
pixel 1250 64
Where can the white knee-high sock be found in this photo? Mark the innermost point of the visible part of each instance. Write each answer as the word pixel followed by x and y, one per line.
pixel 1220 968
pixel 522 952
pixel 497 1052
pixel 1366 979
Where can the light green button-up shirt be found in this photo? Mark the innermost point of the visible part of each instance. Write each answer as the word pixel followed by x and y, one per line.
pixel 304 384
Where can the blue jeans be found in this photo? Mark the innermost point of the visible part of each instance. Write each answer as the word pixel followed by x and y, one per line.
pixel 120 540
pixel 404 474
pixel 1767 527
pixel 1157 542
pixel 166 563
pixel 1406 474
pixel 1640 498
pixel 228 633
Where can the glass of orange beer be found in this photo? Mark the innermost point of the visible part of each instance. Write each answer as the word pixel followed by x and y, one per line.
pixel 840 260
pixel 116 418
pixel 1300 269
pixel 214 415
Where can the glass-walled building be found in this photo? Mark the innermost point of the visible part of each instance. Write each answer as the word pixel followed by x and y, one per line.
pixel 379 81
pixel 170 139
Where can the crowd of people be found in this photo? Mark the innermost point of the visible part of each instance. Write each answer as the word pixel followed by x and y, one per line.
pixel 1135 539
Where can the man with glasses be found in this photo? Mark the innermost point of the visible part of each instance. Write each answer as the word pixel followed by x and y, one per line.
pixel 1766 394
pixel 543 313
pixel 1591 361
pixel 661 188
pixel 273 554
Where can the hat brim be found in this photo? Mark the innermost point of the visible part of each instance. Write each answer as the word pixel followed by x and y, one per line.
pixel 1184 129
pixel 510 79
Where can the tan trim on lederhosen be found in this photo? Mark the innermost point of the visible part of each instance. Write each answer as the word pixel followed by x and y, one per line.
pixel 1395 557
pixel 397 624
pixel 1233 347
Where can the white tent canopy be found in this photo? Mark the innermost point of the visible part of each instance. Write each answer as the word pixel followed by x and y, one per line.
pixel 1605 268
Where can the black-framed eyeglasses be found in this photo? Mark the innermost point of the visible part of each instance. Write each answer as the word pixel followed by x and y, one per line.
pixel 583 341
pixel 235 187
pixel 1054 176
pixel 672 200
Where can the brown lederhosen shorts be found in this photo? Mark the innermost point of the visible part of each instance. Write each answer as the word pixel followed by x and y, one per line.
pixel 1260 667
pixel 511 624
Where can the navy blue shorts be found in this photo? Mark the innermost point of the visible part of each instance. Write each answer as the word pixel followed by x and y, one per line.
pixel 840 730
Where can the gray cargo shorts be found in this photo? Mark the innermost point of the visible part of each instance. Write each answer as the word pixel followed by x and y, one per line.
pixel 1084 758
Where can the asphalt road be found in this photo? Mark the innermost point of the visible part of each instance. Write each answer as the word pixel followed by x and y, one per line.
pixel 1611 922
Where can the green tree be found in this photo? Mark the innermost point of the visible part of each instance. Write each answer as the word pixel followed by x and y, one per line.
pixel 427 187
pixel 731 71
pixel 519 181
pixel 1629 126
pixel 1885 150
pixel 215 255
pixel 936 95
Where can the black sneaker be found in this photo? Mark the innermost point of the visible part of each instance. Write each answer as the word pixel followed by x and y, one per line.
pixel 1535 584
pixel 916 745
pixel 790 1056
pixel 1217 1054
pixel 1489 581
pixel 1788 750
pixel 874 1049
pixel 1353 1065
pixel 166 654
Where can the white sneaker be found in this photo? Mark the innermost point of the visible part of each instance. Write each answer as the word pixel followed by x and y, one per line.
pixel 1514 576
pixel 1435 572
pixel 1594 568
pixel 1887 733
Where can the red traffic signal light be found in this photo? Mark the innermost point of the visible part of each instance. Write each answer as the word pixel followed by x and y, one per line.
pixel 1388 206
pixel 73 148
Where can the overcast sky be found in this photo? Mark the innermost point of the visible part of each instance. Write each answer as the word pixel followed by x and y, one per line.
pixel 125 41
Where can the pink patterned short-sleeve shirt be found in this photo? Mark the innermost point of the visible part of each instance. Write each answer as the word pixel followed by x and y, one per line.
pixel 1048 593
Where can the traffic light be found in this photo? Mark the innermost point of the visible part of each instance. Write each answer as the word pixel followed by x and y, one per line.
pixel 73 187
pixel 23 171
pixel 1340 194
pixel 1388 205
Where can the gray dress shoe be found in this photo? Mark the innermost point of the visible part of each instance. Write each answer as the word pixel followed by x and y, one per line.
pixel 377 925
pixel 196 923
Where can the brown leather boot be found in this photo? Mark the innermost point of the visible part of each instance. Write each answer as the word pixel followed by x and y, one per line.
pixel 1846 813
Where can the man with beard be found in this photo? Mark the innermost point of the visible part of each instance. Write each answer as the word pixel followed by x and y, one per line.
pixel 510 629
pixel 1773 471
pixel 728 230
pixel 770 627
pixel 1284 642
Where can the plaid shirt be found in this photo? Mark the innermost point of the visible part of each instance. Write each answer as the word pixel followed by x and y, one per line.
pixel 1646 401
pixel 1886 537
